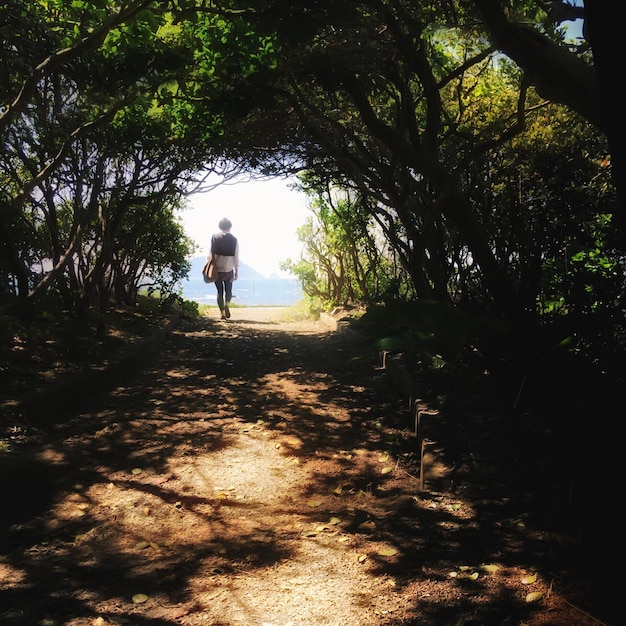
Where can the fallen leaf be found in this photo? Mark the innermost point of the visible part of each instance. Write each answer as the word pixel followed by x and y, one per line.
pixel 473 576
pixel 387 552
pixel 386 470
pixel 489 568
pixel 140 598
pixel 534 596
pixel 529 580
pixel 314 503
pixel 136 470
pixel 362 558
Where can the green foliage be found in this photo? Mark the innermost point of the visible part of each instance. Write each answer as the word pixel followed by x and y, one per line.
pixel 190 308
pixel 434 332
pixel 173 302
pixel 345 258
pixel 310 307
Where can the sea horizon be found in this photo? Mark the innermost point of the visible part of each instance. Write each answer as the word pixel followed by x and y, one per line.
pixel 250 289
pixel 247 291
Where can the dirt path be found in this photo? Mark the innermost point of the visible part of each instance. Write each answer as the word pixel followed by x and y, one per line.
pixel 256 475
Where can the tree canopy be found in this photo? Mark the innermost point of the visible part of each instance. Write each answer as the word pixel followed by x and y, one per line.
pixel 468 141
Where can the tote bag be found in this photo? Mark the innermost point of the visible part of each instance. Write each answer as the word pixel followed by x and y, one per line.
pixel 209 271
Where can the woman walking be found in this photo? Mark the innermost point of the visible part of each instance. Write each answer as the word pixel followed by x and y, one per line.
pixel 225 255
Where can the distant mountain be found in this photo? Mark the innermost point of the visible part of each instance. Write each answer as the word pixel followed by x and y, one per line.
pixel 245 271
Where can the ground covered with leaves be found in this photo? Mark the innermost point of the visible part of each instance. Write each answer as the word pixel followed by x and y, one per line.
pixel 260 471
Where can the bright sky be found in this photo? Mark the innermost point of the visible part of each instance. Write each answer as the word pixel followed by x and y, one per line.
pixel 265 217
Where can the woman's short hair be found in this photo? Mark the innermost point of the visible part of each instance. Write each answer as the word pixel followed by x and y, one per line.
pixel 225 224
